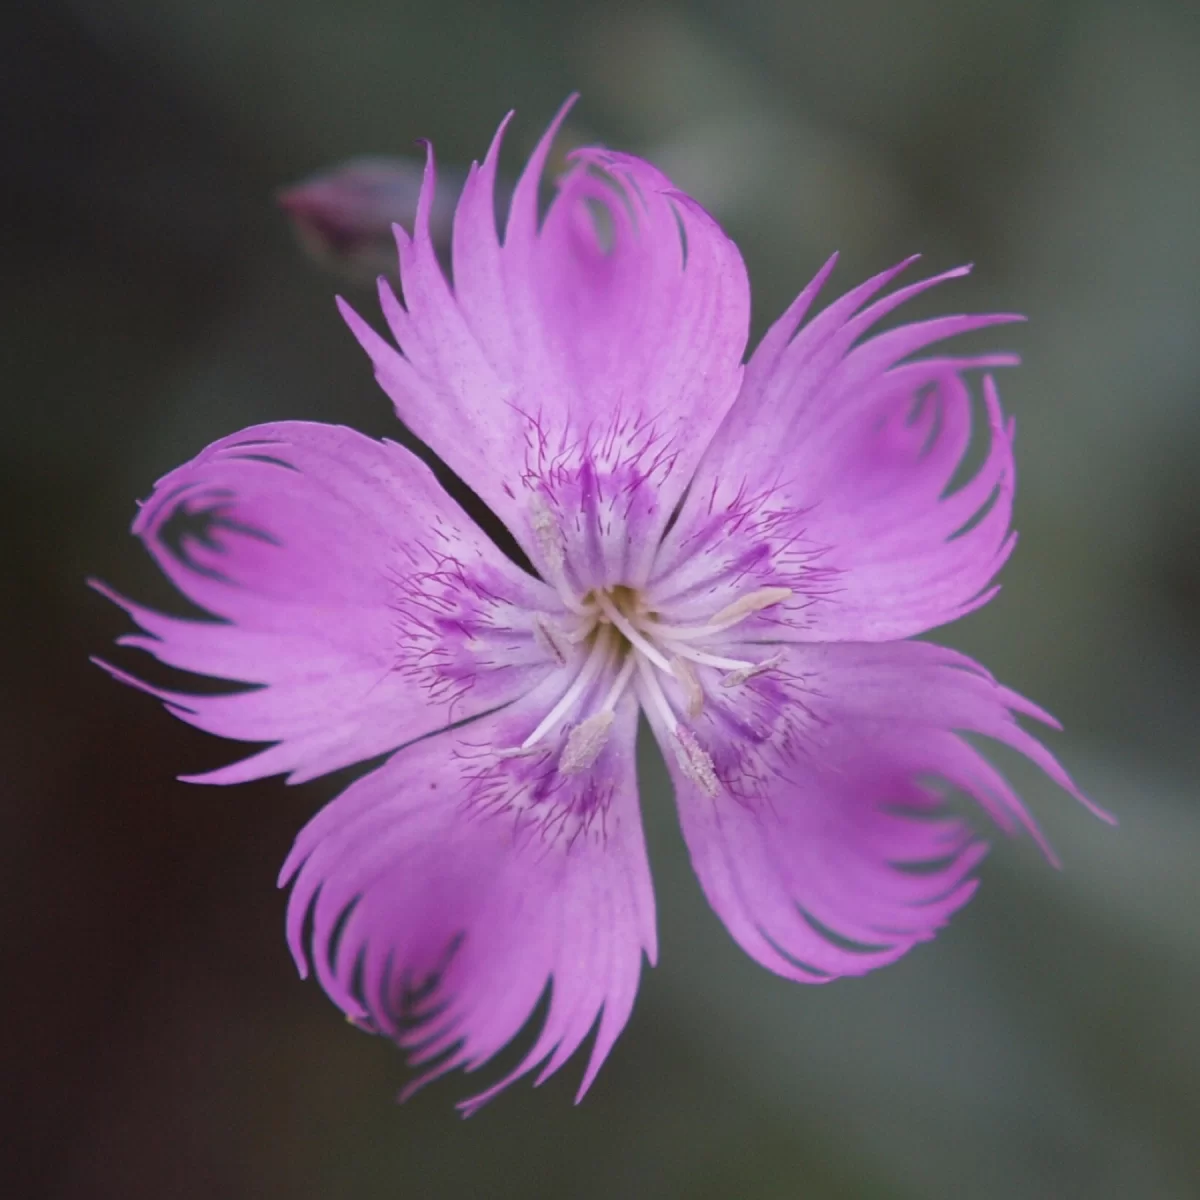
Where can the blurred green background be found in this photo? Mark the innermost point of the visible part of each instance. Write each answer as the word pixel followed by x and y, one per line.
pixel 1047 1045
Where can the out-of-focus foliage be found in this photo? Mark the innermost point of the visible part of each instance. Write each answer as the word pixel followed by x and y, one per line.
pixel 1047 1045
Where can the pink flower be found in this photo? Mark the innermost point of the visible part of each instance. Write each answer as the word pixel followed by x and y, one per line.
pixel 738 552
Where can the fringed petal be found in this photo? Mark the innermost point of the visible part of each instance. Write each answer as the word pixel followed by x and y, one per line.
pixel 812 801
pixel 836 475
pixel 582 364
pixel 344 582
pixel 439 896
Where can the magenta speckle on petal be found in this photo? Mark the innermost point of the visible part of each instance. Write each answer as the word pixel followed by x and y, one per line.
pixel 739 548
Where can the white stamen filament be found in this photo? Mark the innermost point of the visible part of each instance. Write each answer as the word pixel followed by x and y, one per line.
pixel 652 691
pixel 600 655
pixel 583 631
pixel 590 736
pixel 620 683
pixel 521 751
pixel 711 660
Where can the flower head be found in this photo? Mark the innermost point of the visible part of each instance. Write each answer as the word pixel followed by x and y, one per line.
pixel 738 552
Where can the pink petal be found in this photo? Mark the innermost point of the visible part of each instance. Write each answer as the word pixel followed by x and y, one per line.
pixel 823 843
pixel 448 888
pixel 583 364
pixel 366 604
pixel 835 475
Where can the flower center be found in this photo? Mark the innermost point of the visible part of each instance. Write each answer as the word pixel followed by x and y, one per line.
pixel 614 640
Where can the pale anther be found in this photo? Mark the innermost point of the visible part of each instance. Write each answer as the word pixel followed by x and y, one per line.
pixel 547 532
pixel 693 692
pixel 550 638
pixel 749 604
pixel 585 742
pixel 695 762
pixel 734 678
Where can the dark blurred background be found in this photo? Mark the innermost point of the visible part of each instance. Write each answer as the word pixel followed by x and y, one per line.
pixel 1048 1045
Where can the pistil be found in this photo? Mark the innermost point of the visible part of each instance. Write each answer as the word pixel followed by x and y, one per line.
pixel 635 639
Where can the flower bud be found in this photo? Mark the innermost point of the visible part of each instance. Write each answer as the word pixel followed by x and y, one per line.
pixel 343 217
